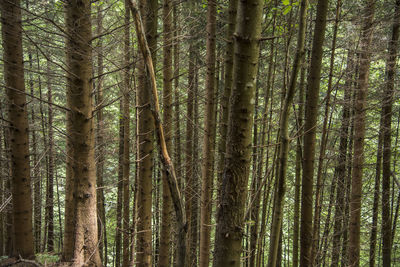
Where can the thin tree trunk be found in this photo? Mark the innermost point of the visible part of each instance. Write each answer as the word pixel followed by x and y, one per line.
pixel 126 236
pixel 323 144
pixel 340 170
pixel 387 138
pixel 118 233
pixel 359 134
pixel 50 178
pixel 228 79
pixel 17 115
pixel 311 111
pixel 230 216
pixel 299 156
pixel 102 224
pixel 36 178
pixel 378 170
pixel 284 140
pixel 208 141
pixel 80 133
pixel 189 176
pixel 166 224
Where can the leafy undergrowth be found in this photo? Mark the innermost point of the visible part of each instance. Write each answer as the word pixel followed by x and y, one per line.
pixel 47 258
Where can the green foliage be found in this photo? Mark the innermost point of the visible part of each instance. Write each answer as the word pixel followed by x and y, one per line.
pixel 46 258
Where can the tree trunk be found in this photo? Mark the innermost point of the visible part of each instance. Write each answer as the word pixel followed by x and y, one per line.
pixel 277 216
pixel 102 224
pixel 118 232
pixel 387 138
pixel 146 132
pixel 17 115
pixel 359 134
pixel 36 178
pixel 311 111
pixel 165 158
pixel 228 79
pixel 230 216
pixel 50 177
pixel 81 134
pixel 340 170
pixel 207 171
pixel 189 177
pixel 126 236
pixel 166 224
pixel 324 139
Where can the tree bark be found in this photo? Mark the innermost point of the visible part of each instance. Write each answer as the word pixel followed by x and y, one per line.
pixel 284 140
pixel 145 131
pixel 387 138
pixel 340 170
pixel 102 224
pixel 230 216
pixel 50 178
pixel 166 224
pixel 311 111
pixel 208 141
pixel 118 233
pixel 80 132
pixel 166 160
pixel 359 134
pixel 126 236
pixel 17 115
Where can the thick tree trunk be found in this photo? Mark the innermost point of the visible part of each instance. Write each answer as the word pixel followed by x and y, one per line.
pixel 311 111
pixel 207 171
pixel 17 115
pixel 230 216
pixel 80 132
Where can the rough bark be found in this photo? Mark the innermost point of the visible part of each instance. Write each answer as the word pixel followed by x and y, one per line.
pixel 230 216
pixel 311 111
pixel 18 118
pixel 146 132
pixel 81 132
